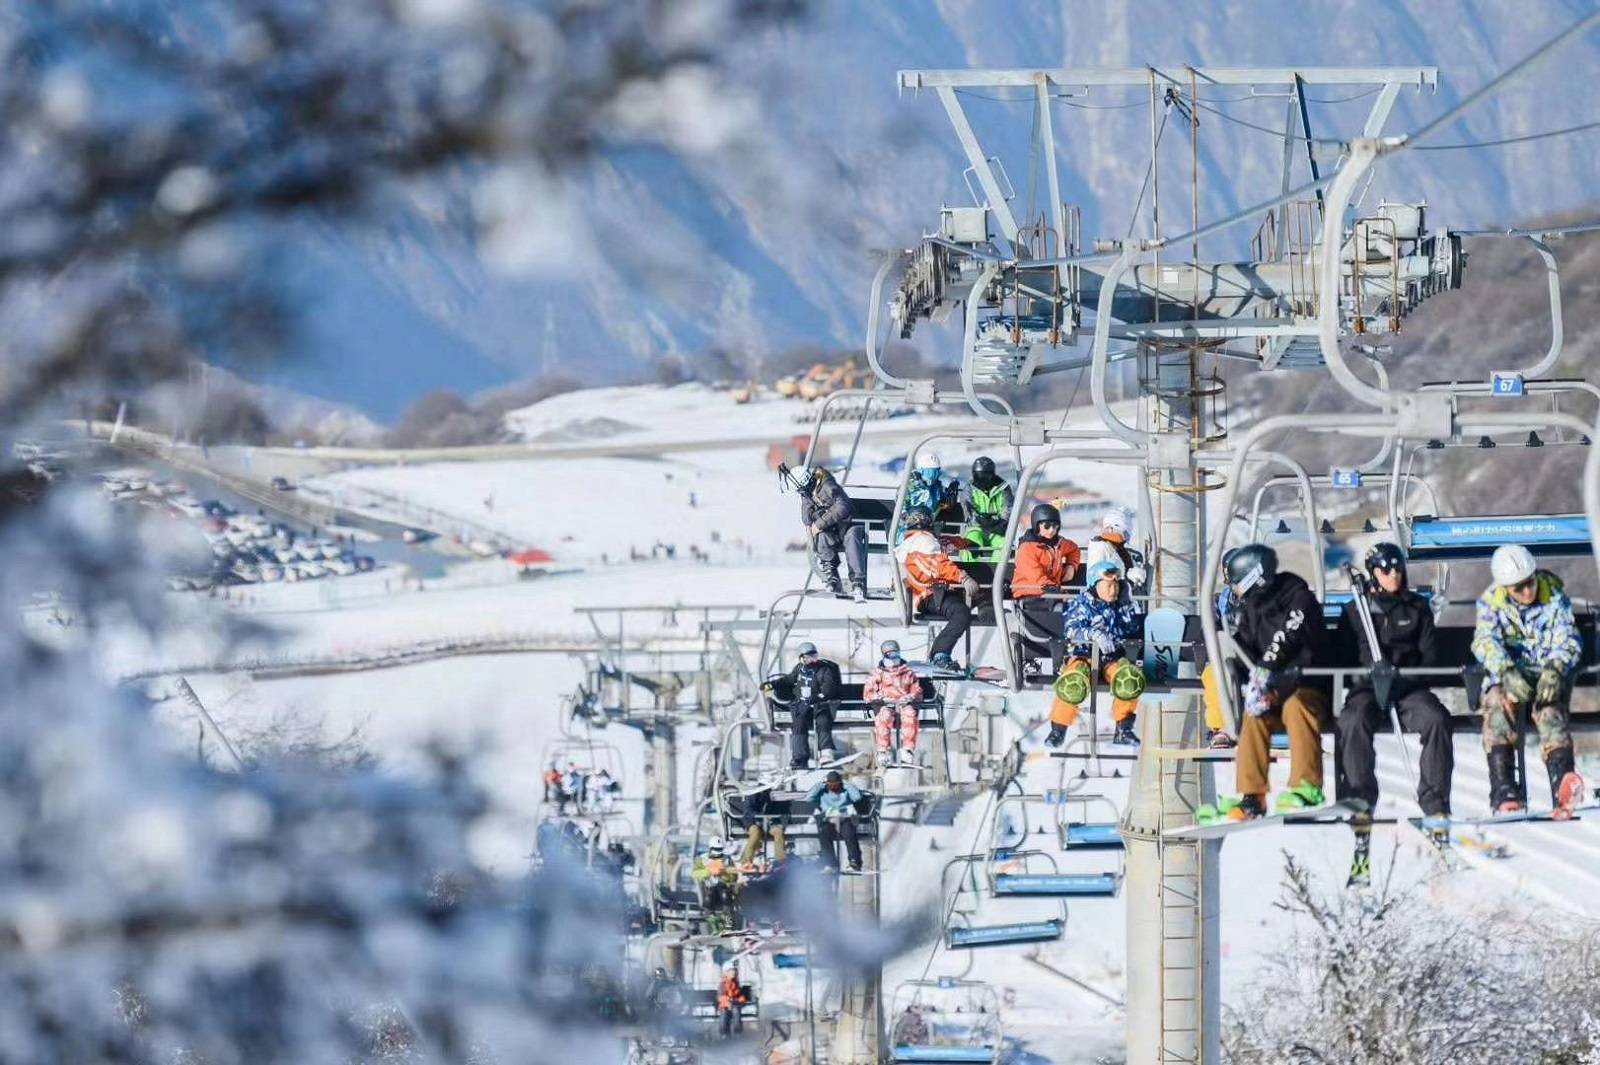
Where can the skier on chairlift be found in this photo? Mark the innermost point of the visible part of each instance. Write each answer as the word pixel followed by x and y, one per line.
pixel 730 997
pixel 985 507
pixel 816 698
pixel 825 510
pixel 1111 543
pixel 1099 619
pixel 1275 620
pixel 718 882
pixel 1402 621
pixel 1046 561
pixel 836 820
pixel 892 690
pixel 925 488
pixel 939 588
pixel 1526 639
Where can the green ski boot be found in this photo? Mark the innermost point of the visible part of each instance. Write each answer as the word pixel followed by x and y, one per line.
pixel 1302 796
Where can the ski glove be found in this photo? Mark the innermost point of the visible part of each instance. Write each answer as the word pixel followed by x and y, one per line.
pixel 1136 576
pixel 1515 686
pixel 969 585
pixel 1106 645
pixel 1548 692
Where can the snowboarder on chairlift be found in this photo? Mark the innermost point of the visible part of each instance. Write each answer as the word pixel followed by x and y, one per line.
pixel 892 690
pixel 925 488
pixel 1111 543
pixel 825 510
pixel 1099 619
pixel 1046 561
pixel 985 507
pixel 1275 620
pixel 1527 641
pixel 816 698
pixel 1402 620
pixel 939 588
pixel 836 819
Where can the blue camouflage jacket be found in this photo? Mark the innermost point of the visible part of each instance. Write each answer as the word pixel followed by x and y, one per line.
pixel 1534 637
pixel 1092 623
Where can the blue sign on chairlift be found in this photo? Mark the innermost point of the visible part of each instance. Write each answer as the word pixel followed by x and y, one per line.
pixel 1346 478
pixel 1506 383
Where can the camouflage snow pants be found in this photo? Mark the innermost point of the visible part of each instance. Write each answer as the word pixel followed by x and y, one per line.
pixel 1500 722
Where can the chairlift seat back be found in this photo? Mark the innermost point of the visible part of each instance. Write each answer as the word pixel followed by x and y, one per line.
pixel 1055 885
pixel 974 1054
pixel 1554 536
pixel 1092 836
pixel 1005 934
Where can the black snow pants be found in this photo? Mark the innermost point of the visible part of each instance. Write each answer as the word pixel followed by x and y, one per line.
pixel 950 604
pixel 1045 626
pixel 1420 712
pixel 830 832
pixel 808 716
pixel 849 543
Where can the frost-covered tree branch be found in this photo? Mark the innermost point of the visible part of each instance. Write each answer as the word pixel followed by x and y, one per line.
pixel 1388 976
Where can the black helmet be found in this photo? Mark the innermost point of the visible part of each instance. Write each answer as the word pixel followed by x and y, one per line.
pixel 919 518
pixel 983 473
pixel 1043 513
pixel 1384 556
pixel 1251 566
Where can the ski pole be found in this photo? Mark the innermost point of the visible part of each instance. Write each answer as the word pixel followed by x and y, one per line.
pixel 1359 592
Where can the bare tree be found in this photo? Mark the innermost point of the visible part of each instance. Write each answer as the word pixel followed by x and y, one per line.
pixel 1369 978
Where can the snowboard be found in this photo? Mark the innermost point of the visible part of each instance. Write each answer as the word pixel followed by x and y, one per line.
pixel 987 674
pixel 796 779
pixel 1163 642
pixel 1336 813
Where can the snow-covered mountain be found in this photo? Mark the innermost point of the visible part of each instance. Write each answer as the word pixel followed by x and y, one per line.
pixel 767 239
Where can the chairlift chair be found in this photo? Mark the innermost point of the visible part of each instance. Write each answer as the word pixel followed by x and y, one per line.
pixel 954 1021
pixel 962 934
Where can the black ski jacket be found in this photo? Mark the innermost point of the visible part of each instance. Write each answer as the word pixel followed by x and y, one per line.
pixel 816 685
pixel 1404 627
pixel 1280 627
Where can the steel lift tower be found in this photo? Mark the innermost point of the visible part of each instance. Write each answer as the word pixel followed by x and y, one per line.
pixel 1024 284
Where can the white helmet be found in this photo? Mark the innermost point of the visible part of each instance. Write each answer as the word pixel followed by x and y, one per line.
pixel 1511 564
pixel 928 460
pixel 1116 520
pixel 715 845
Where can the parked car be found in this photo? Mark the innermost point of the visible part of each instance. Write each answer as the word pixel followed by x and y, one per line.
pixel 281 484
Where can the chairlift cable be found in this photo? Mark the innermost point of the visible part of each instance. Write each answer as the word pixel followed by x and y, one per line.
pixel 1508 140
pixel 1496 83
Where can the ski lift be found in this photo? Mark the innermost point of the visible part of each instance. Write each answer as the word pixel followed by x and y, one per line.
pixel 1424 413
pixel 1082 832
pixel 945 1020
pixel 853 712
pixel 965 894
pixel 1014 868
